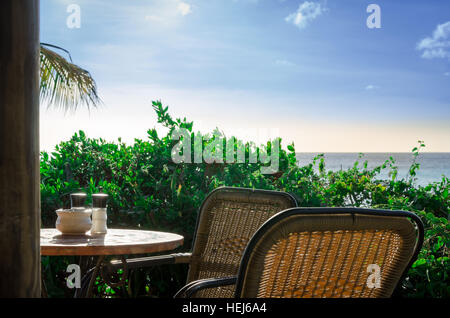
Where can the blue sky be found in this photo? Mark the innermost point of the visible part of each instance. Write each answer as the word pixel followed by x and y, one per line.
pixel 310 70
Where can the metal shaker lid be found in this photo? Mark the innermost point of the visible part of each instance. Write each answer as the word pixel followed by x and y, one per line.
pixel 77 200
pixel 99 200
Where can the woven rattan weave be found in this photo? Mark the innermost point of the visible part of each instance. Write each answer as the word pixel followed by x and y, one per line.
pixel 329 253
pixel 228 219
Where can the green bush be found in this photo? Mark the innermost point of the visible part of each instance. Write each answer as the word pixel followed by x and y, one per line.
pixel 149 191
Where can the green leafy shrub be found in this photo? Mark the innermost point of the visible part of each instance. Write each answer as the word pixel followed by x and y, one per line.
pixel 149 191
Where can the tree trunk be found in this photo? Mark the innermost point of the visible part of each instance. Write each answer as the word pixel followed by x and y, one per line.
pixel 19 149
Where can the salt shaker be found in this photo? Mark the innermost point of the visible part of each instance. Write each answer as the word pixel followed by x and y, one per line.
pixel 99 216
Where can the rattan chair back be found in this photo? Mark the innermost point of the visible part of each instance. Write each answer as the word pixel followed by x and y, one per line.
pixel 330 252
pixel 228 218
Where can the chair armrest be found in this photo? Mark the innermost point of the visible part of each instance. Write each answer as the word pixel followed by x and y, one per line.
pixel 198 285
pixel 132 263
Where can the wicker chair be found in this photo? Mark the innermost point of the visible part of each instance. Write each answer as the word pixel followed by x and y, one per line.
pixel 326 252
pixel 227 220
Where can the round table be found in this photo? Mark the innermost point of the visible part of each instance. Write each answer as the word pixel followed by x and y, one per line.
pixel 115 242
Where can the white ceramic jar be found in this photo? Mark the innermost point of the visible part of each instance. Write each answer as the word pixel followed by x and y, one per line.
pixel 75 221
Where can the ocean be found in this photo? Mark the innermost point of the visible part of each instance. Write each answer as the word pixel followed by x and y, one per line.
pixel 432 164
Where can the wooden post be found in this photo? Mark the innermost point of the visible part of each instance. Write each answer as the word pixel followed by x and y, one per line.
pixel 19 149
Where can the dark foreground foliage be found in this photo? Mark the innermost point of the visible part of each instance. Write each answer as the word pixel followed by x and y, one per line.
pixel 149 191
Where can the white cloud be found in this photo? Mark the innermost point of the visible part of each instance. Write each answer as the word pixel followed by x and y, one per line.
pixel 165 13
pixel 184 8
pixel 371 87
pixel 438 45
pixel 306 12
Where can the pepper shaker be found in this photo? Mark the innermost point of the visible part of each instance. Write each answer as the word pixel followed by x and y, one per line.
pixel 77 200
pixel 99 216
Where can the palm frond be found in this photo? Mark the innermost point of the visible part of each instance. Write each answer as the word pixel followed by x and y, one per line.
pixel 64 84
